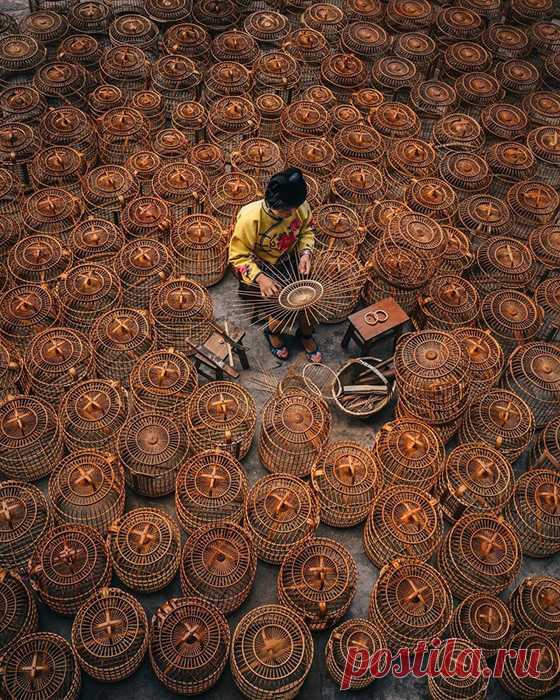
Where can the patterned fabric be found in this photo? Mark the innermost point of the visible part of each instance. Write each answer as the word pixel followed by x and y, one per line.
pixel 259 237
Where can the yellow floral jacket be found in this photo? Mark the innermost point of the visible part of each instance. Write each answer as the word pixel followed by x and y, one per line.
pixel 259 236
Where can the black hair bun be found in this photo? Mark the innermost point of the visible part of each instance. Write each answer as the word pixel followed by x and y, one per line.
pixel 286 190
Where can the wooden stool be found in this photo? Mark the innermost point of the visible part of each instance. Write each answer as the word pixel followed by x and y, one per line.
pixel 215 357
pixel 373 323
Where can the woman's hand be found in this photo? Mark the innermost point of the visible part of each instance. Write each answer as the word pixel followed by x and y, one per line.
pixel 305 264
pixel 268 286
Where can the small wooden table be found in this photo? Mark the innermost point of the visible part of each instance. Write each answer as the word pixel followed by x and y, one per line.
pixel 371 324
pixel 212 359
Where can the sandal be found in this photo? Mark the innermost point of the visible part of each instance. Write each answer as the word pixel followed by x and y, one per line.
pixel 312 355
pixel 273 349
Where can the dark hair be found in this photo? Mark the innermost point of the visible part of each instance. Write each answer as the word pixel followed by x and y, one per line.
pixel 286 190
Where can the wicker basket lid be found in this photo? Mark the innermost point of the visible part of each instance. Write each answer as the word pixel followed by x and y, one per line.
pixel 208 157
pixel 121 330
pixel 532 199
pixel 216 15
pixel 18 142
pixel 179 181
pixel 38 258
pixel 366 39
pixel 511 314
pixel 88 287
pixel 507 261
pixel 45 26
pixel 485 216
pixel 517 76
pixel 545 36
pixel 257 155
pixel 525 11
pixel 433 97
pixel 22 103
pixel 174 72
pixel 452 299
pixel 542 108
pixel 104 98
pixel 66 125
pixel 478 88
pixel 234 45
pixel 143 165
pixel 320 94
pixel 364 10
pixel 504 121
pixel 358 183
pixel 270 106
pixel 51 210
pixel 124 63
pixel 186 39
pixel 505 41
pixel 276 70
pixel 394 73
pixel 367 99
pixel 412 157
pixel 108 183
pixel 20 53
pixel 148 103
pixel 345 115
pixel 231 114
pixel 511 159
pixel 233 190
pixel 324 17
pixel 409 15
pixel 466 57
pixel 133 30
pixel 170 144
pixel 459 23
pixel 458 132
pixel 465 171
pixel 359 142
pixel 267 26
pixel 416 47
pixel 189 116
pixel 90 17
pixel 228 78
pixel 57 164
pixel 165 11
pixel 306 45
pixel 343 71
pixel 544 242
pixel 544 142
pixel 395 120
pixel 432 196
pixel 302 118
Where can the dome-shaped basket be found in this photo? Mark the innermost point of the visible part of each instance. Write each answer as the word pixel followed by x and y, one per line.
pixel 546 449
pixel 141 266
pixel 485 620
pixel 271 653
pixel 18 608
pixel 105 190
pixel 110 635
pixel 143 165
pixel 317 580
pixel 189 645
pixel 547 668
pixel 481 552
pixel 410 602
pixel 403 521
pixel 145 547
pixel 219 564
pixel 441 688
pixel 211 489
pixel 59 167
pixel 503 263
pixel 95 240
pixel 103 98
pixel 87 488
pixel 228 193
pixel 347 479
pixel 69 563
pixel 87 291
pixel 52 211
pixel 260 159
pixel 449 302
pixel 11 371
pixel 458 132
pixel 199 245
pixel 534 604
pixel 280 512
pixel 513 317
pixel 146 217
pixel 354 633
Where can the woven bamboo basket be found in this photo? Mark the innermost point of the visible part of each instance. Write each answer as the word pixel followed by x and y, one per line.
pixel 453 686
pixel 337 228
pixel 189 645
pixel 164 13
pixel 503 263
pixel 354 633
pixel 548 665
pixel 547 294
pixel 358 142
pixel 190 117
pixel 317 580
pixel 86 291
pixel 271 653
pixel 513 317
pixel 394 76
pixel 483 619
pixel 26 516
pixel 222 415
pixel 269 108
pixel 357 185
pixel 183 186
pixel 134 30
pixel 106 189
pixel 217 17
pixel 519 78
pixel 534 604
pixel 219 563
pixel 481 552
pixel 141 266
pixel 61 83
pixel 403 521
pixel 54 361
pixel 152 449
pixel 11 371
pixel 146 217
pixel 143 165
pixel 84 50
pixel 543 35
pixel 20 57
pixel 277 72
pixel 26 310
pixel 42 666
pixel 454 24
pixel 458 132
pixel 533 204
pixel 464 57
pixel 92 413
pixel 68 564
pixel 145 547
pixel 38 259
pixel 58 167
pixel 90 19
pixel 280 512
pixel 260 159
pixel 103 98
pixel 309 47
pixel 410 602
pixel 533 512
pixel 119 338
pixel 18 608
pixel 316 156
pixel 433 197
pixel 503 122
pixel 408 158
pixel 208 157
pixel 394 121
pixel 544 144
pixel 533 374
pixel 482 217
pixel 31 438
pixel 268 28
pixel 320 94
pixel 231 120
pixel 182 313
pixel 546 448
pixel 69 126
pixel 346 479
pixel 190 40
pixel 51 211
pixel 448 302
pixel 510 162
pixel 237 46
pixel 22 104
pixel 199 245
pixel 445 431
pixel 87 488
pixel 468 173
pixel 294 429
pixel 326 18
pixel 162 381
pixel 476 478
pixel 366 39
pixel 544 242
pixel 211 489
pixel 126 67
pixel 110 635
pixel 177 79
pixel 227 79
